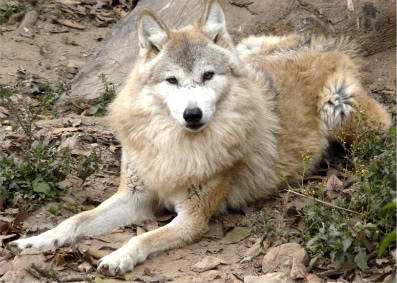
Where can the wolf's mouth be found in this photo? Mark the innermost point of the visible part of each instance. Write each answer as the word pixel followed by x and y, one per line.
pixel 194 126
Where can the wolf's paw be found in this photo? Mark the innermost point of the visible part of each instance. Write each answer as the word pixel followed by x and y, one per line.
pixel 49 240
pixel 118 262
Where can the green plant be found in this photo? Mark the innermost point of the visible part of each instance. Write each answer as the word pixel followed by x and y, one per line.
pixel 107 96
pixel 61 14
pixel 49 97
pixel 23 112
pixel 8 9
pixel 355 225
pixel 391 237
pixel 32 172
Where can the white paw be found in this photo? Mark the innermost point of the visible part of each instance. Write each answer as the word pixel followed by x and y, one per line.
pixel 119 262
pixel 49 240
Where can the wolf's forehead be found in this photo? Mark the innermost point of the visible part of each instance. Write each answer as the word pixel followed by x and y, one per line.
pixel 188 49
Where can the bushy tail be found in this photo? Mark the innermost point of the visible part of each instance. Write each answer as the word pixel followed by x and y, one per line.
pixel 342 44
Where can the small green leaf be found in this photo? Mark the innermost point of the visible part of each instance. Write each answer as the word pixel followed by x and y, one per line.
pixel 36 144
pixel 339 261
pixel 347 242
pixel 310 243
pixel 93 109
pixel 390 205
pixel 312 262
pixel 361 259
pixel 386 242
pixel 40 186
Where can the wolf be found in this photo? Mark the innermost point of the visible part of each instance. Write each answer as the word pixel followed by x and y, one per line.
pixel 207 125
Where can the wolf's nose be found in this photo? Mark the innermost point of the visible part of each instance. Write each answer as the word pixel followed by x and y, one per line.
pixel 192 115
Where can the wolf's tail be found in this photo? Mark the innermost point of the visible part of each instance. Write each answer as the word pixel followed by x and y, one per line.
pixel 342 44
pixel 346 109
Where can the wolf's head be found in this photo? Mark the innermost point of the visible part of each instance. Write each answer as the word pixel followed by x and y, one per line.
pixel 190 69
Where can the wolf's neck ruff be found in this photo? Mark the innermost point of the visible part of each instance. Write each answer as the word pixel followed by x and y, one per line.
pixel 168 157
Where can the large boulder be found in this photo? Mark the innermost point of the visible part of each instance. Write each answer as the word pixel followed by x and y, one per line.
pixel 371 22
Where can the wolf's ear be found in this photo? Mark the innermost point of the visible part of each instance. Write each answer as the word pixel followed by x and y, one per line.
pixel 153 34
pixel 213 23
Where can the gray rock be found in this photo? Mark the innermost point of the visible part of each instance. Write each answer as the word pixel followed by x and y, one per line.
pixel 372 24
pixel 274 277
pixel 283 257
pixel 4 267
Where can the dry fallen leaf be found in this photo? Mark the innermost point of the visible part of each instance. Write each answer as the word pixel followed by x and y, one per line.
pixel 230 220
pixel 140 231
pixel 208 263
pixel 7 219
pixel 334 183
pixel 120 12
pixel 151 226
pixel 62 130
pixel 69 2
pixel 15 18
pixel 236 235
pixel 72 24
pixel 166 217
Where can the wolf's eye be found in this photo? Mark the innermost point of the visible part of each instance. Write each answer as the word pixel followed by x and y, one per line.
pixel 172 80
pixel 207 76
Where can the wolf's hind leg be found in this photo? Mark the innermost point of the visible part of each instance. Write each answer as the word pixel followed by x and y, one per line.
pixel 194 207
pixel 131 204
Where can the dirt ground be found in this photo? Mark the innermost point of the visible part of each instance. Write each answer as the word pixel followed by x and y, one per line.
pixel 55 52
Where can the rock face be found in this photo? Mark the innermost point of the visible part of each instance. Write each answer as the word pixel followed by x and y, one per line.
pixel 371 22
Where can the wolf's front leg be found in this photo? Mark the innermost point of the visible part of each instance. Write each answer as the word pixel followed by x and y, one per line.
pixel 131 204
pixel 194 206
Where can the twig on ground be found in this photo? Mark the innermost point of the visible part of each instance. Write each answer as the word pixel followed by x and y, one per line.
pixel 77 278
pixel 34 273
pixel 324 202
pixel 46 273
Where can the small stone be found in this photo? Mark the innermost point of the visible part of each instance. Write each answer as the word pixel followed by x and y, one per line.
pixel 312 278
pixel 70 142
pixel 76 122
pixel 256 249
pixel 208 263
pixel 212 275
pixel 246 259
pixel 274 277
pixel 64 184
pixel 85 267
pixel 277 256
